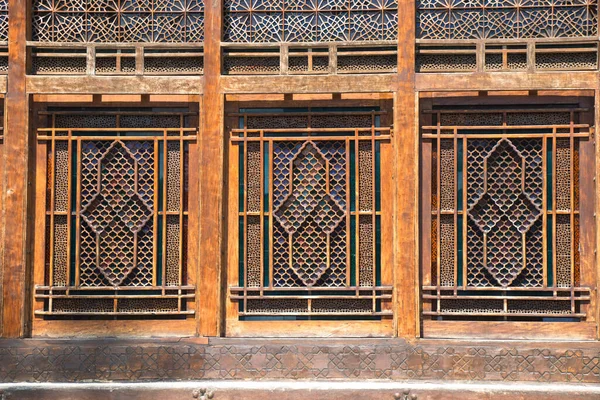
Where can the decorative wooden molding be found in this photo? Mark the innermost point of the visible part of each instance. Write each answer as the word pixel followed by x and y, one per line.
pixel 317 359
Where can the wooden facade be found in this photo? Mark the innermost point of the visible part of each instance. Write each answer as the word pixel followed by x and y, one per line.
pixel 390 191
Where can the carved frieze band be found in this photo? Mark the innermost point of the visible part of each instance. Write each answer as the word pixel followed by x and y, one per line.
pixel 393 359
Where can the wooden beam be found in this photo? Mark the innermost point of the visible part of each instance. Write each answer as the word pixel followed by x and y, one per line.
pixel 498 330
pixel 406 172
pixel 15 191
pixel 128 328
pixel 306 329
pixel 212 141
pixel 506 81
pixel 309 84
pixel 115 84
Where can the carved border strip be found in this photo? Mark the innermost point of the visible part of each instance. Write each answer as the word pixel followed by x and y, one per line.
pixel 393 359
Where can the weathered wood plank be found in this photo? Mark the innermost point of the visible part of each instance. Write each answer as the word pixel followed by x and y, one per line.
pixel 15 178
pixel 212 179
pixel 81 329
pixel 115 84
pixel 300 328
pixel 405 177
pixel 309 84
pixel 505 81
pixel 497 330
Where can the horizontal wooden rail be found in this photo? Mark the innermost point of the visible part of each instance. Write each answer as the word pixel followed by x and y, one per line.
pixel 309 58
pixel 116 58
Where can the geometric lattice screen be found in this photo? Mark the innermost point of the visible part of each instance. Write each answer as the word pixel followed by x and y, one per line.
pixel 116 220
pixel 3 20
pixel 112 21
pixel 505 215
pixel 310 214
pixel 310 21
pixel 506 19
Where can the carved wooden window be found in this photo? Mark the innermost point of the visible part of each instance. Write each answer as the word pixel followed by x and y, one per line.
pixel 311 21
pixel 505 197
pixel 118 21
pixel 506 19
pixel 309 217
pixel 116 214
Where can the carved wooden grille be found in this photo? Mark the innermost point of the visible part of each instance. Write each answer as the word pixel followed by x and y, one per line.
pixel 310 21
pixel 116 219
pixel 506 19
pixel 505 214
pixel 118 21
pixel 3 20
pixel 309 214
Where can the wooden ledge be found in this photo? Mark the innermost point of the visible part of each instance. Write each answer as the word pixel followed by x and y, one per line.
pixel 56 84
pixel 564 331
pixel 509 80
pixel 265 360
pixel 286 390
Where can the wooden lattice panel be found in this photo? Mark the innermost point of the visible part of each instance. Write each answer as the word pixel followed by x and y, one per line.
pixel 164 21
pixel 537 55
pixel 113 59
pixel 314 58
pixel 311 21
pixel 505 214
pixel 3 20
pixel 116 214
pixel 310 214
pixel 506 19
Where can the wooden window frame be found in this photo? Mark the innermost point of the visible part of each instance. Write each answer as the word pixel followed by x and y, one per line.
pixel 234 327
pixel 123 325
pixel 461 329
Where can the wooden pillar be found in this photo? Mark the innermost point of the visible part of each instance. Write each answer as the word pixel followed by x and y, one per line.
pixel 406 176
pixel 15 178
pixel 210 277
pixel 597 203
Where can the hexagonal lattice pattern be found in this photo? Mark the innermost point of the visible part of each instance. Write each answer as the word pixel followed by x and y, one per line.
pixel 309 214
pixel 328 210
pixel 282 156
pixel 335 153
pixel 114 211
pixel 504 212
pixel 107 180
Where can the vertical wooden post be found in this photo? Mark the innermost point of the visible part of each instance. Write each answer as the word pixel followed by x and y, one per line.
pixel 406 176
pixel 212 184
pixel 15 177
pixel 91 60
pixel 597 202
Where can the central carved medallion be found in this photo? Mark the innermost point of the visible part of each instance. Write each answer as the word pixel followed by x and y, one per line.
pixel 117 213
pixel 504 212
pixel 309 214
